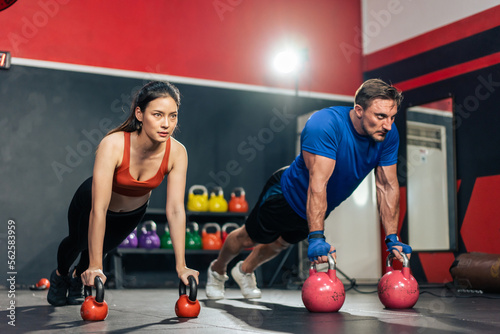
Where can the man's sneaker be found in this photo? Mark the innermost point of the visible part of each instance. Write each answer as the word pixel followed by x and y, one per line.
pixel 75 291
pixel 58 289
pixel 247 282
pixel 215 283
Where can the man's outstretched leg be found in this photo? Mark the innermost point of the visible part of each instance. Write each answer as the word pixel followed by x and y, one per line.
pixel 235 242
pixel 243 272
pixel 270 219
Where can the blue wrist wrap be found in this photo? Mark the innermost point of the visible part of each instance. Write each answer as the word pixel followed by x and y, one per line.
pixel 317 245
pixel 392 240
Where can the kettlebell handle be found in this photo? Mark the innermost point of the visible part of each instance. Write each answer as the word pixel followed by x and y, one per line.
pixel 99 287
pixel 228 225
pixel 195 226
pixel 332 264
pixel 198 187
pixel 390 256
pixel 217 191
pixel 240 190
pixel 215 225
pixel 148 223
pixel 193 288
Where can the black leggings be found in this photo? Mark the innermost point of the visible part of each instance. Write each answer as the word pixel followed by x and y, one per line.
pixel 118 227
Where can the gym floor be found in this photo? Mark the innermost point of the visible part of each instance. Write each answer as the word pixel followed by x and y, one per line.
pixel 438 310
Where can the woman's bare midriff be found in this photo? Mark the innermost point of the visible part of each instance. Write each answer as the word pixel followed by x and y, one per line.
pixel 121 203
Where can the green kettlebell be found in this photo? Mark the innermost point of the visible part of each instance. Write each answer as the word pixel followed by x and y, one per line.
pixel 195 233
pixel 165 240
pixel 190 242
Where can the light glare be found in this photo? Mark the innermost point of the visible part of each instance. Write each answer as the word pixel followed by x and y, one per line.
pixel 286 61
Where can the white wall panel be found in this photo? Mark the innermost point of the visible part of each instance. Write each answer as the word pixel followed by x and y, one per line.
pixel 389 22
pixel 354 229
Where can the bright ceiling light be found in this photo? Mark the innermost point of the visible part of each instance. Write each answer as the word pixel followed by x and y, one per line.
pixel 286 61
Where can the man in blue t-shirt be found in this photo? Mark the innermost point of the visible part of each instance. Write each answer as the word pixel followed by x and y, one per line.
pixel 339 147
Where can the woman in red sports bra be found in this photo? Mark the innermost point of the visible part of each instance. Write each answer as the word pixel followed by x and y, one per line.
pixel 130 161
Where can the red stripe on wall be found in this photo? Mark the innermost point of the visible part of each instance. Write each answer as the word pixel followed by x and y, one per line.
pixel 452 32
pixel 480 229
pixel 449 72
pixel 437 266
pixel 441 105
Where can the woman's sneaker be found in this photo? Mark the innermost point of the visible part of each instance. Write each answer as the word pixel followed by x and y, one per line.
pixel 247 282
pixel 75 291
pixel 58 289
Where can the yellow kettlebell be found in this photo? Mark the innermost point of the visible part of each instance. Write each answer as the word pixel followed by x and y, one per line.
pixel 197 202
pixel 217 203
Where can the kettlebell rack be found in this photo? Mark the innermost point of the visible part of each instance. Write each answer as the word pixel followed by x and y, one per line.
pixel 159 216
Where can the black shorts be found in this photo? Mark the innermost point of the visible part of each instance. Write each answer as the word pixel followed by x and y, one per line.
pixel 273 217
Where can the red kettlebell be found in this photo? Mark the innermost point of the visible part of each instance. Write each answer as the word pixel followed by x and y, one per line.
pixel 43 284
pixel 398 289
pixel 211 241
pixel 323 292
pixel 188 307
pixel 227 228
pixel 238 203
pixel 94 308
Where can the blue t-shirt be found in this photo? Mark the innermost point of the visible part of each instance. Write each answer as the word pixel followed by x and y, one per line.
pixel 330 133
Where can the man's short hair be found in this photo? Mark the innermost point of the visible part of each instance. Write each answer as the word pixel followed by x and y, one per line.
pixel 376 89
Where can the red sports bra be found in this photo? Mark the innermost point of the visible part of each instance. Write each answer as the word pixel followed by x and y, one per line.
pixel 125 184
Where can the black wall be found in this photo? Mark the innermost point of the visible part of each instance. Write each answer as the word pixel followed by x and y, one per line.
pixel 476 97
pixel 52 121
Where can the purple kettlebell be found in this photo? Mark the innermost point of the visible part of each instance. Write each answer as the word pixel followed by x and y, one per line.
pixel 149 239
pixel 130 241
